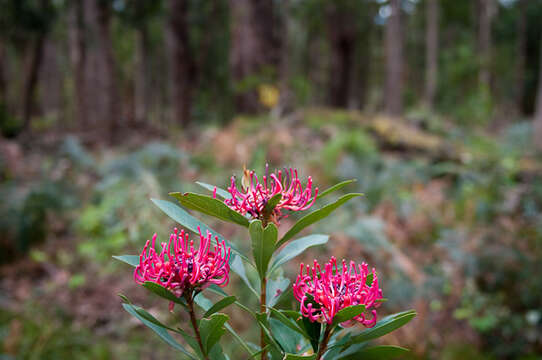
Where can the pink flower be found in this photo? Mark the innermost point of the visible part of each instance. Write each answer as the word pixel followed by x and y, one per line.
pixel 179 267
pixel 323 293
pixel 255 194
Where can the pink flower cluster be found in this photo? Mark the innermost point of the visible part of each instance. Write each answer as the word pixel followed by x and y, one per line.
pixel 179 267
pixel 323 293
pixel 255 194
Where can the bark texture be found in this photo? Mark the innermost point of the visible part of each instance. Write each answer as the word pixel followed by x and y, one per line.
pixel 394 61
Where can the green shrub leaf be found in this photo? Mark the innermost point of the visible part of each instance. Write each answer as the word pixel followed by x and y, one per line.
pixel 220 305
pixel 348 313
pixel 155 325
pixel 315 216
pixel 219 191
pixel 163 292
pixel 128 259
pixel 209 206
pixel 384 326
pixel 295 248
pixel 334 188
pixel 382 352
pixel 212 329
pixel 263 244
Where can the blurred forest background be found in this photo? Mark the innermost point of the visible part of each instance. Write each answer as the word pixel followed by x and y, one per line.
pixel 435 106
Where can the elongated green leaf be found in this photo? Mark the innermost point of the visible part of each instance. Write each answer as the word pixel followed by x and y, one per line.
pixel 191 223
pixel 219 191
pixel 206 304
pixel 286 337
pixel 348 313
pixel 283 319
pixel 299 357
pixel 220 305
pixel 264 325
pixel 158 329
pixel 128 259
pixel 334 188
pixel 212 329
pixel 163 292
pixel 382 352
pixel 315 216
pixel 190 340
pixel 271 204
pixel 236 264
pixel 369 279
pixel 275 288
pixel 295 248
pixel 263 244
pixel 384 326
pixel 313 329
pixel 208 205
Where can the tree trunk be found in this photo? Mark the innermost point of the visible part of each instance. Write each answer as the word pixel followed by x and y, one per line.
pixel 32 69
pixel 181 61
pixel 255 46
pixel 343 38
pixel 431 52
pixel 141 83
pixel 486 10
pixel 394 61
pixel 521 55
pixel 78 60
pixel 537 139
pixel 3 88
pixel 100 77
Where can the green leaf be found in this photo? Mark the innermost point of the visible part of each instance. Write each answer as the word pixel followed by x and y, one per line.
pixel 348 313
pixel 313 329
pixel 271 204
pixel 163 292
pixel 208 205
pixel 219 191
pixel 315 216
pixel 286 337
pixel 264 324
pixel 191 223
pixel 128 259
pixel 263 244
pixel 220 305
pixel 384 326
pixel 212 329
pixel 150 321
pixel 283 319
pixel 295 248
pixel 274 285
pixel 334 188
pixel 381 352
pixel 236 264
pixel 369 279
pixel 299 357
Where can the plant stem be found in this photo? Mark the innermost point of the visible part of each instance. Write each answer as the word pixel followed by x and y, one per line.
pixel 323 345
pixel 190 302
pixel 263 309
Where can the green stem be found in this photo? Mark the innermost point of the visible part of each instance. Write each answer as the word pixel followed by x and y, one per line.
pixel 323 345
pixel 190 302
pixel 263 309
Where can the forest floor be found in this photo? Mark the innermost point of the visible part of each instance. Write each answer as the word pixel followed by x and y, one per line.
pixel 451 219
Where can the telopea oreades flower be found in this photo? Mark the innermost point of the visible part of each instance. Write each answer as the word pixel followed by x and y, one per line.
pixel 254 195
pixel 179 267
pixel 323 293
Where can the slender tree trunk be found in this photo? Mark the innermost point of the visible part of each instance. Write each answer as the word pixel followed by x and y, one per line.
pixel 141 83
pixel 486 9
pixel 181 61
pixel 342 37
pixel 255 46
pixel 100 74
pixel 3 88
pixel 394 61
pixel 78 60
pixel 431 51
pixel 537 139
pixel 32 70
pixel 521 55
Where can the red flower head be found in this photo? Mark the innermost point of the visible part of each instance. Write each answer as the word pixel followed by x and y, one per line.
pixel 179 267
pixel 255 194
pixel 323 293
